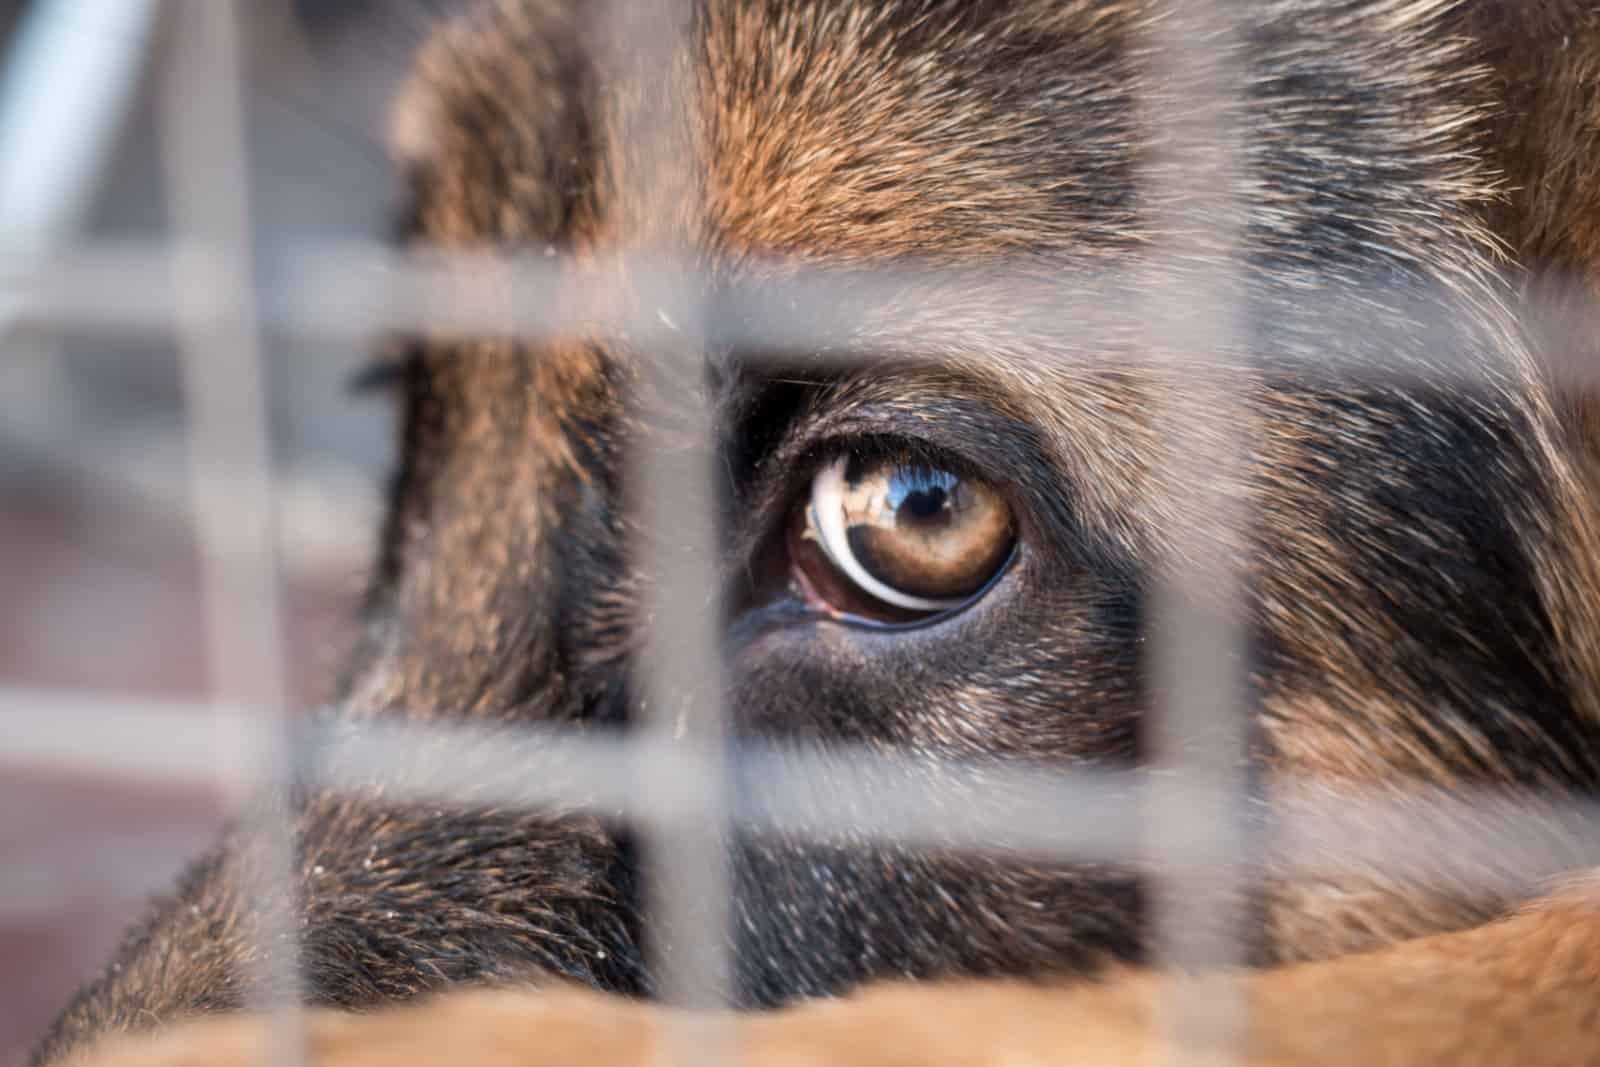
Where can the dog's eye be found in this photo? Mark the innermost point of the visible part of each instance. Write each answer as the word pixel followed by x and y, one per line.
pixel 910 538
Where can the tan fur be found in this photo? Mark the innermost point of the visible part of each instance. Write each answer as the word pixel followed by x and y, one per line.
pixel 1517 991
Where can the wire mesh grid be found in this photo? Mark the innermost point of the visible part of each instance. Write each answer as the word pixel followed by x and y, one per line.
pixel 1186 822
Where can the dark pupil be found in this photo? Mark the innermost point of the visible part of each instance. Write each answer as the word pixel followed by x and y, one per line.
pixel 924 505
pixel 917 494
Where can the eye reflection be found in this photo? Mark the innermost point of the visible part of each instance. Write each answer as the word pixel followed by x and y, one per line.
pixel 911 536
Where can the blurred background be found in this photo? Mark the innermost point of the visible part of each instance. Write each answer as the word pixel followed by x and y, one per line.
pixel 99 574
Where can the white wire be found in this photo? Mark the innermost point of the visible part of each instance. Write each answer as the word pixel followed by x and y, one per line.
pixel 66 86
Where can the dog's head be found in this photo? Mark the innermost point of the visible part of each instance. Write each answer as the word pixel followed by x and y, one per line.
pixel 951 547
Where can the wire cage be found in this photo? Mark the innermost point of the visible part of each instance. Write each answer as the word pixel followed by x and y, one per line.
pixel 222 294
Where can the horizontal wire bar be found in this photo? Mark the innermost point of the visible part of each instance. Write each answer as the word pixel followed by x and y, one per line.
pixel 1074 313
pixel 1477 838
pixel 137 742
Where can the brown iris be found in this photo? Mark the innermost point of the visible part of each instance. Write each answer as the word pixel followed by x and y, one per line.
pixel 912 537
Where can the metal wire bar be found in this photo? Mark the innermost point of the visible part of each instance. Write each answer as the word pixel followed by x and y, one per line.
pixel 1199 720
pixel 1075 315
pixel 646 59
pixel 1466 840
pixel 66 83
pixel 203 150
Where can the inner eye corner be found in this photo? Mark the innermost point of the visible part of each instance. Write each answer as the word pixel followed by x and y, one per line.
pixel 893 536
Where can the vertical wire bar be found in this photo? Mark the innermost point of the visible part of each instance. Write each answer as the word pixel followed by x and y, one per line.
pixel 1200 725
pixel 671 476
pixel 203 153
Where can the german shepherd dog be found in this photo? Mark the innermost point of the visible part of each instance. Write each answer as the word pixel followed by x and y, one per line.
pixel 1421 571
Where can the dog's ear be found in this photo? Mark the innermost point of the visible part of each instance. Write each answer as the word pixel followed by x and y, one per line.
pixel 493 128
pixel 501 570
